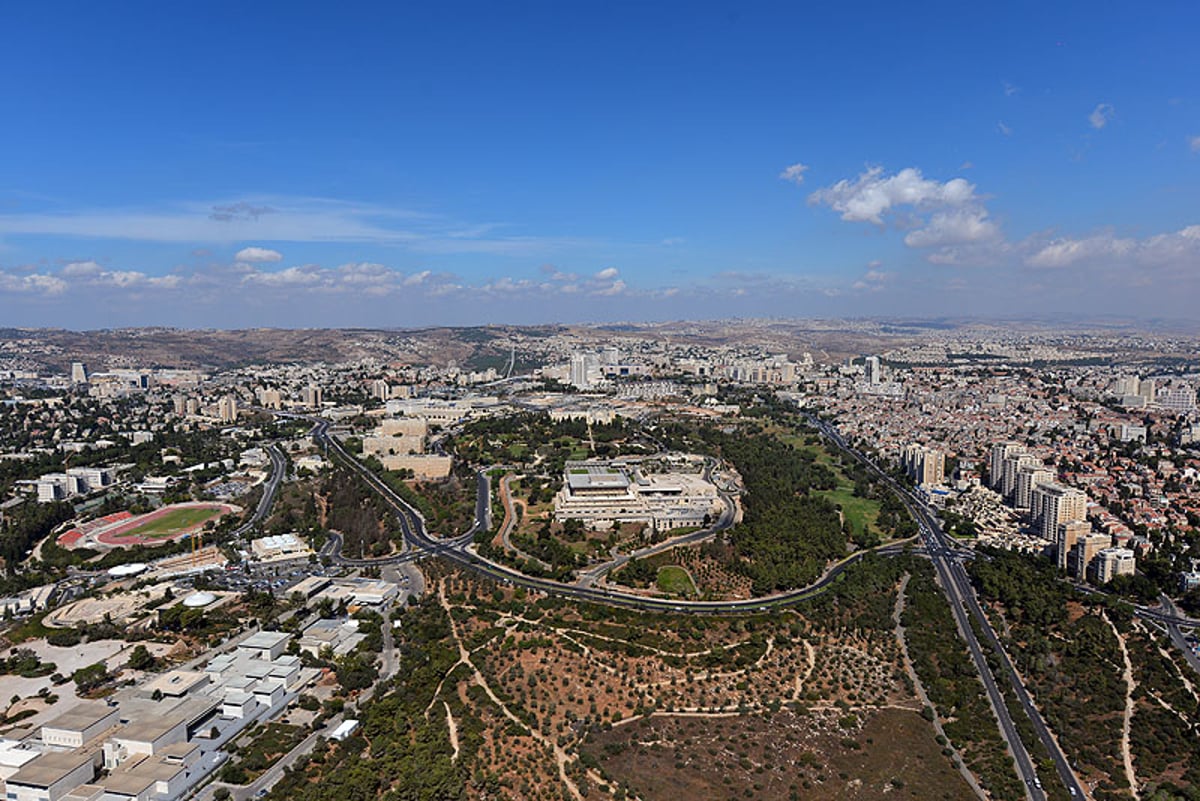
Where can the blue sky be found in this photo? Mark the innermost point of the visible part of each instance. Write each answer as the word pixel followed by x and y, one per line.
pixel 402 164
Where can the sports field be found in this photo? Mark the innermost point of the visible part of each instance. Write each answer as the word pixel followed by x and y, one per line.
pixel 167 523
pixel 174 521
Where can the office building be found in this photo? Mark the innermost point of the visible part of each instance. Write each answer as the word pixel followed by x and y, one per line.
pixel 1178 399
pixel 312 397
pixel 579 371
pixel 872 370
pixel 79 373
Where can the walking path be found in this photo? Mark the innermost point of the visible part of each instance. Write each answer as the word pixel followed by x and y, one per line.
pixel 1127 718
pixel 897 612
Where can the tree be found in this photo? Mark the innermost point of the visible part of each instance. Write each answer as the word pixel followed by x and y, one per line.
pixel 141 658
pixel 90 677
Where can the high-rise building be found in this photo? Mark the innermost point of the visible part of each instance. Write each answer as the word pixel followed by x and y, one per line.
pixel 1148 389
pixel 1125 385
pixel 610 356
pixel 1069 534
pixel 1028 477
pixel 380 389
pixel 1052 504
pixel 270 398
pixel 1113 562
pixel 1012 469
pixel 1085 551
pixel 312 396
pixel 79 373
pixel 873 370
pixel 179 405
pixel 579 371
pixel 227 409
pixel 1000 452
pixel 927 466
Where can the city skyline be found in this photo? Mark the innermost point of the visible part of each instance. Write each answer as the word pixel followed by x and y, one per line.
pixel 469 164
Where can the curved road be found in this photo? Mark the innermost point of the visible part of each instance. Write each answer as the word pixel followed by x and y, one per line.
pixel 454 550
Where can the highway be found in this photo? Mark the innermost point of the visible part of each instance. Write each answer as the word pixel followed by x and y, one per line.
pixel 278 467
pixel 957 586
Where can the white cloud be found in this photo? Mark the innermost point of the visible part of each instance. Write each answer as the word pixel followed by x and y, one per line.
pixel 954 227
pixel 946 218
pixel 1194 143
pixel 1010 89
pixel 1003 129
pixel 418 278
pixel 1101 115
pixel 81 268
pixel 794 173
pixel 615 288
pixel 873 194
pixel 607 274
pixel 255 255
pixel 35 283
pixel 1177 249
pixel 292 276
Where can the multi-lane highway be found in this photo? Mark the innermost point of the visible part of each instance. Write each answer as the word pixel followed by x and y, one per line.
pixel 278 467
pixel 965 606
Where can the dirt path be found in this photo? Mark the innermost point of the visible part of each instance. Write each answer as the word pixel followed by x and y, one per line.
pixel 897 612
pixel 560 756
pixel 812 664
pixel 1127 719
pixel 453 727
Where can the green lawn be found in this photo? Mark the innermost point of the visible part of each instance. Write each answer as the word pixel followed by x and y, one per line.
pixel 173 522
pixel 675 580
pixel 859 512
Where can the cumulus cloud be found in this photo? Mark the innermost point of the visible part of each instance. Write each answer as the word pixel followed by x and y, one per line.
pixel 942 217
pixel 615 288
pixel 794 173
pixel 418 278
pixel 607 274
pixel 292 276
pixel 36 283
pixel 1101 115
pixel 872 195
pixel 253 255
pixel 81 268
pixel 955 227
